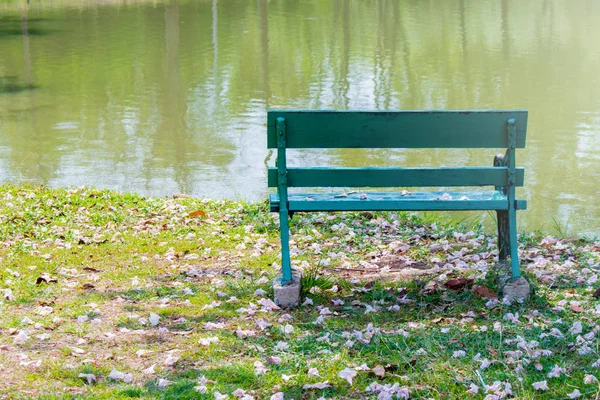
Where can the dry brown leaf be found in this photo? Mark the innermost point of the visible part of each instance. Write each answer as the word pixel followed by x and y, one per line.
pixel 197 213
pixel 45 279
pixel 458 284
pixel 484 292
pixel 576 308
pixel 431 286
pixel 379 370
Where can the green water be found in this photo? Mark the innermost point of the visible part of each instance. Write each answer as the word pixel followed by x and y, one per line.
pixel 160 97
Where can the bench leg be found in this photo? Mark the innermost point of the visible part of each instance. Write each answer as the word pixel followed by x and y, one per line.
pixel 516 287
pixel 503 235
pixel 286 268
pixel 514 246
pixel 287 286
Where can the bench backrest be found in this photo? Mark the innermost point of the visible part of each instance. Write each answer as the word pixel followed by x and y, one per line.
pixel 396 129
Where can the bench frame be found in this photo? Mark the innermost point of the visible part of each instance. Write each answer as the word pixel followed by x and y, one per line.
pixel 504 166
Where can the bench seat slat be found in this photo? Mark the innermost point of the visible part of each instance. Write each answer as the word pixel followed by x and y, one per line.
pixel 395 201
pixel 396 177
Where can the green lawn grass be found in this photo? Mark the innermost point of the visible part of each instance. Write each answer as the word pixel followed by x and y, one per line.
pixel 97 283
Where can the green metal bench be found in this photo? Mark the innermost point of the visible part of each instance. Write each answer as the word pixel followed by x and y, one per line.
pixel 399 129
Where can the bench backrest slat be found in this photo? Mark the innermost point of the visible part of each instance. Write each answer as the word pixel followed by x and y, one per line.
pixel 396 129
pixel 396 177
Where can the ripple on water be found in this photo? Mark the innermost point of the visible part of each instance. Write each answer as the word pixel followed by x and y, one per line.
pixel 66 125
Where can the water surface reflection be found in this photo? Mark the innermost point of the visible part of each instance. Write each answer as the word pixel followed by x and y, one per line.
pixel 170 96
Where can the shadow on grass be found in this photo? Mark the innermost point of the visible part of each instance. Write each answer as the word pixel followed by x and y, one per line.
pixel 185 380
pixel 232 367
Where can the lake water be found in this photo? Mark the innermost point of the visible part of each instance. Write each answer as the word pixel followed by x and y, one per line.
pixel 163 97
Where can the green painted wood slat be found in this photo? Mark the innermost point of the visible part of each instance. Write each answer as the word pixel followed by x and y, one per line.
pixel 395 177
pixel 396 202
pixel 396 129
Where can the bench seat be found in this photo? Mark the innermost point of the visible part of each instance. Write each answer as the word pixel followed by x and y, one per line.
pixel 396 201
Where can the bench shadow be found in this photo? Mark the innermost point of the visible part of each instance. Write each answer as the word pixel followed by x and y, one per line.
pixel 442 307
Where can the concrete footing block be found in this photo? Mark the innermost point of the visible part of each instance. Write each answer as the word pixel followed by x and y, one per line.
pixel 512 289
pixel 287 295
pixel 515 289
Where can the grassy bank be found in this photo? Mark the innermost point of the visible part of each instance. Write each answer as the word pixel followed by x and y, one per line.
pixel 108 295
